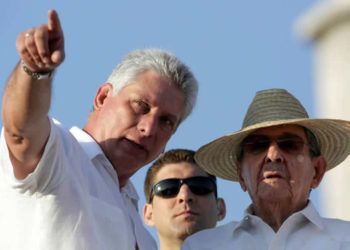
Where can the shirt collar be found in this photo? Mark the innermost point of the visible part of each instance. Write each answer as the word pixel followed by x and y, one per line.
pixel 130 191
pixel 312 215
pixel 89 145
pixel 93 150
pixel 309 213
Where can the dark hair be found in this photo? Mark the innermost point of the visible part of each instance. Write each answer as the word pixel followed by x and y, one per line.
pixel 313 143
pixel 172 156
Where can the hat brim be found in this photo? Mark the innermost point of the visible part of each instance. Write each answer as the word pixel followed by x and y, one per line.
pixel 219 157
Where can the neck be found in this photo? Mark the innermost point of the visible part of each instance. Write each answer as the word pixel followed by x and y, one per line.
pixel 275 213
pixel 170 244
pixel 123 180
pixel 123 176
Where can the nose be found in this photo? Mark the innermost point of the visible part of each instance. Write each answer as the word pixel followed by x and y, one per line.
pixel 274 153
pixel 185 194
pixel 147 125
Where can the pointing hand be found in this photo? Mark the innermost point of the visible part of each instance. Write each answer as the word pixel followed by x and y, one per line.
pixel 42 48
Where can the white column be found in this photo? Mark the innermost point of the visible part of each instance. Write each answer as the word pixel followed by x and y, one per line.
pixel 328 26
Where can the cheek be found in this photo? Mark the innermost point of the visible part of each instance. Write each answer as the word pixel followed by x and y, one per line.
pixel 300 158
pixel 163 212
pixel 249 175
pixel 210 213
pixel 164 135
pixel 126 119
pixel 211 208
pixel 162 206
pixel 122 112
pixel 160 142
pixel 301 168
pixel 113 119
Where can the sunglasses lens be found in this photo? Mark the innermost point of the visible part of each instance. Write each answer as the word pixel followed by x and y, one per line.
pixel 291 145
pixel 201 185
pixel 259 144
pixel 167 188
pixel 255 145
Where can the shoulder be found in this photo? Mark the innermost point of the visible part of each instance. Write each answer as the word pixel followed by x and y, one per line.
pixel 68 143
pixel 337 229
pixel 217 236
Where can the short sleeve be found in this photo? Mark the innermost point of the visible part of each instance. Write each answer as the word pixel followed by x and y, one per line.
pixel 49 171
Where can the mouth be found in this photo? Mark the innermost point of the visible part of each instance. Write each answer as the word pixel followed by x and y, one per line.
pixel 272 175
pixel 187 213
pixel 136 145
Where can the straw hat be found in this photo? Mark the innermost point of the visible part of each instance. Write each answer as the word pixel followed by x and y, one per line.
pixel 274 107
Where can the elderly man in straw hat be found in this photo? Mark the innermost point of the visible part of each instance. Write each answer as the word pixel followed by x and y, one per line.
pixel 278 156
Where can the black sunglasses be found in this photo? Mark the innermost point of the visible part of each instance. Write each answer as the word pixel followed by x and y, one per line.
pixel 257 144
pixel 169 188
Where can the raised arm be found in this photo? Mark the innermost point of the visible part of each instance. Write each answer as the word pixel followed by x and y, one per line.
pixel 26 99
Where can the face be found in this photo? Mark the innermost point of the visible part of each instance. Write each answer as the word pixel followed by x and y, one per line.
pixel 285 171
pixel 133 126
pixel 186 213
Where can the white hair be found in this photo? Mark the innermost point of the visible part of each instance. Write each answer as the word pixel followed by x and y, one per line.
pixel 163 63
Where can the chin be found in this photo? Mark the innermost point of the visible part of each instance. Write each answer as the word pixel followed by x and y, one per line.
pixel 274 196
pixel 129 160
pixel 186 230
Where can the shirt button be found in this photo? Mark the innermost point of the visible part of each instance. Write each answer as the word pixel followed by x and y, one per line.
pixel 246 218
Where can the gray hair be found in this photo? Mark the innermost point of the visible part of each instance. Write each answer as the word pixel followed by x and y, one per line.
pixel 163 63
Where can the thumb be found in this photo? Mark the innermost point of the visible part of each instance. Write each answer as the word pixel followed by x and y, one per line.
pixel 57 56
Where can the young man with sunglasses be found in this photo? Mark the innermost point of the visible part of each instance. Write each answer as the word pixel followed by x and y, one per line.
pixel 181 198
pixel 278 157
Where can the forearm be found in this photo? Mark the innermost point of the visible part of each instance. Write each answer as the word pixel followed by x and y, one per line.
pixel 26 103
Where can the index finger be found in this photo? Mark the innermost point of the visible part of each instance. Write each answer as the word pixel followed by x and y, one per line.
pixel 54 23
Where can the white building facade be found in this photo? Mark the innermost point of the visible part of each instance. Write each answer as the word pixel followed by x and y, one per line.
pixel 327 25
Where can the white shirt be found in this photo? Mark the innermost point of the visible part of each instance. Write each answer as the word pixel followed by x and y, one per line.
pixel 71 201
pixel 304 230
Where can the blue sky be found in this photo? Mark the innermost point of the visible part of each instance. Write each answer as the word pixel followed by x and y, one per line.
pixel 235 48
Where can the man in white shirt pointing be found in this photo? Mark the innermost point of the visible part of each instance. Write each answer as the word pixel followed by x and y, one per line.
pixel 63 189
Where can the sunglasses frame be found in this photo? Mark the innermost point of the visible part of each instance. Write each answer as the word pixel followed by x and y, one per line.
pixel 180 181
pixel 283 143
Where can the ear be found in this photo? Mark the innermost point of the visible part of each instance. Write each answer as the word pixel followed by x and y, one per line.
pixel 221 208
pixel 320 165
pixel 148 214
pixel 103 91
pixel 241 180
